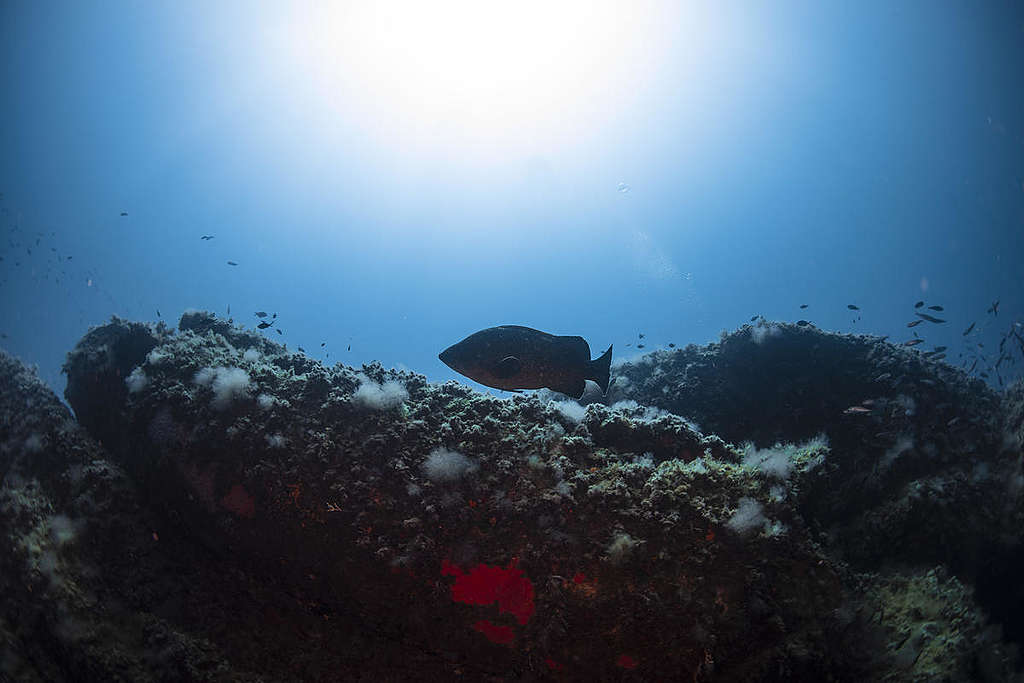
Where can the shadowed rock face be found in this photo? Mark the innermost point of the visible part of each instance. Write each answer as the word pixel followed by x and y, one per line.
pixel 96 371
pixel 250 514
pixel 783 382
pixel 914 424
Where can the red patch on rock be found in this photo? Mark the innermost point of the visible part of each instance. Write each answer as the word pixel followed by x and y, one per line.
pixel 553 665
pixel 626 662
pixel 495 633
pixel 487 584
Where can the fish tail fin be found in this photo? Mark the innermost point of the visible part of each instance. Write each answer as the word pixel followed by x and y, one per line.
pixel 600 370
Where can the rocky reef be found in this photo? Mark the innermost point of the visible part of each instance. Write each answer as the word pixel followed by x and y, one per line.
pixel 786 504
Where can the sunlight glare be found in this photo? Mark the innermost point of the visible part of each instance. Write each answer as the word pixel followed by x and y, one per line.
pixel 493 75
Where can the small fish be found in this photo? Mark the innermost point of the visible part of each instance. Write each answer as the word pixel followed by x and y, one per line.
pixel 274 316
pixel 884 376
pixel 929 318
pixel 264 326
pixel 940 356
pixel 279 330
pixel 641 334
pixel 994 308
pixel 302 350
pixel 158 312
pixel 671 345
pixel 802 323
pixel 803 305
pixel 852 307
pixel 914 323
pixel 913 342
pixel 260 314
pixel 640 346
pixel 206 237
pixel 952 422
pixel 754 318
pixel 124 213
pixel 973 365
pixel 857 410
pixel 935 308
pixel 232 263
pixel 919 304
pixel 70 257
pixel 515 357
pixel 969 328
pixel 349 348
pixel 323 344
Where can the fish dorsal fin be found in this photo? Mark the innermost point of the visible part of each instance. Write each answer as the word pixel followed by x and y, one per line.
pixel 509 366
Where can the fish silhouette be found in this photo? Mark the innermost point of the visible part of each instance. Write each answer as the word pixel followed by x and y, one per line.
pixel 514 357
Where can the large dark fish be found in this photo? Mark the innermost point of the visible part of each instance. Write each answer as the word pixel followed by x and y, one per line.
pixel 513 357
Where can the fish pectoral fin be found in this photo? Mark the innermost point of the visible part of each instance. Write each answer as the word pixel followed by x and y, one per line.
pixel 570 387
pixel 508 366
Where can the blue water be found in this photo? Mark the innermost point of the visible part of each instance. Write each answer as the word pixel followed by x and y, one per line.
pixel 396 179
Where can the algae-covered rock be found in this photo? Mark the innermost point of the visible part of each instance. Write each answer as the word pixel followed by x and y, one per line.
pixel 252 514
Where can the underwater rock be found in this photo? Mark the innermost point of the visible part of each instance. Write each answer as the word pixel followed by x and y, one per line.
pixel 917 448
pixel 274 522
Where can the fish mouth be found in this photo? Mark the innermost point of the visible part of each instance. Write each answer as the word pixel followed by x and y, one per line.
pixel 446 356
